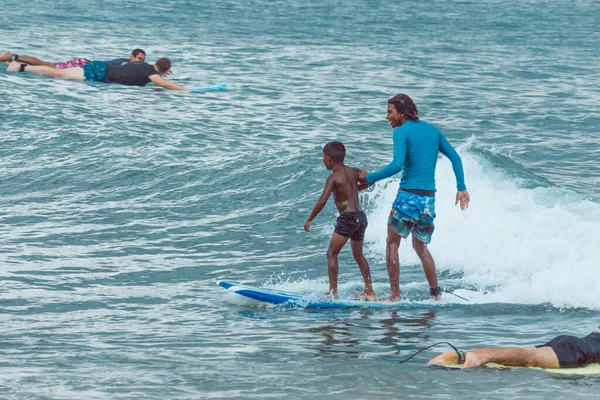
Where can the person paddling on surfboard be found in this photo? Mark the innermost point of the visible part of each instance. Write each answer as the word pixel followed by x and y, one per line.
pixel 352 222
pixel 133 74
pixel 137 55
pixel 561 352
pixel 416 147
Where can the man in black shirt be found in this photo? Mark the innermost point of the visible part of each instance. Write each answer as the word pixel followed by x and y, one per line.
pixel 136 73
pixel 561 352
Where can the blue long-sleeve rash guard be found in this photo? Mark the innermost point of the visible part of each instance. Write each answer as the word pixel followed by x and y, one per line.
pixel 416 147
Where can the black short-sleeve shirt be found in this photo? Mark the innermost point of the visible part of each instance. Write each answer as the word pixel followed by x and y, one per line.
pixel 134 74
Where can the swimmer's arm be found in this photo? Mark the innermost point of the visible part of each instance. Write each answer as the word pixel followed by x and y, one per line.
pixel 158 80
pixel 364 186
pixel 321 202
pixel 397 164
pixel 447 150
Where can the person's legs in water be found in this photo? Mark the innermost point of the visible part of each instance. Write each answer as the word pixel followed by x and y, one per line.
pixel 541 357
pixel 75 62
pixel 363 265
pixel 336 244
pixel 7 57
pixel 69 73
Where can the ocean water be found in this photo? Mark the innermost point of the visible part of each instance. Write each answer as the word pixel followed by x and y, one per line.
pixel 121 207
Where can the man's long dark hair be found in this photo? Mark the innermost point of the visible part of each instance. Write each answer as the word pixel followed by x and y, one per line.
pixel 406 106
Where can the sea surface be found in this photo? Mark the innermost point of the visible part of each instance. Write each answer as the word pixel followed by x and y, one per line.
pixel 121 207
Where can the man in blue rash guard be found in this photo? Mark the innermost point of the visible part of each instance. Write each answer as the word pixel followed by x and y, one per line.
pixel 416 147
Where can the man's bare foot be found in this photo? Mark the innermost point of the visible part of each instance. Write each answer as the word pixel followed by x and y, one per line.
pixel 447 357
pixel 436 298
pixel 368 296
pixel 6 56
pixel 14 66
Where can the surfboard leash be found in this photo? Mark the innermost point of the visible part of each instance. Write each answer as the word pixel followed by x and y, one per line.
pixel 461 354
pixel 454 294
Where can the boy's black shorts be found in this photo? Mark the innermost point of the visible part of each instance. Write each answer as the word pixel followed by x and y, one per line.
pixel 352 225
pixel 573 352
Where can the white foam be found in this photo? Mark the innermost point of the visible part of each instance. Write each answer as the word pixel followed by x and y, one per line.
pixel 513 245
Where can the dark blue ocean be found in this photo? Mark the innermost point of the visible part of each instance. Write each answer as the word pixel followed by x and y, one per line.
pixel 120 207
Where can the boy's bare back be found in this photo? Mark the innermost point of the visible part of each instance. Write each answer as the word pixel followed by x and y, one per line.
pixel 345 188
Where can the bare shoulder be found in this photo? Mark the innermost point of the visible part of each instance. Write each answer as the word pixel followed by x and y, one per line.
pixel 331 178
pixel 353 170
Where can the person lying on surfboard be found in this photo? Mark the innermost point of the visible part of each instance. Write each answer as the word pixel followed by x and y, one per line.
pixel 352 222
pixel 133 74
pixel 137 55
pixel 561 352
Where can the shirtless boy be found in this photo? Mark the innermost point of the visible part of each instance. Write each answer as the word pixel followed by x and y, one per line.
pixel 352 222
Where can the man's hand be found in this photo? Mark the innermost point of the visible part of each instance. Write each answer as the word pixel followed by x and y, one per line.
pixel 362 176
pixel 307 225
pixel 464 198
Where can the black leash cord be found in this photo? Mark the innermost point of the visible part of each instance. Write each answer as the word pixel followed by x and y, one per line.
pixel 428 347
pixel 453 294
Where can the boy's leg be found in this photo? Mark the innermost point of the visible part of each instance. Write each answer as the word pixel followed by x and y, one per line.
pixel 336 244
pixel 69 73
pixel 363 265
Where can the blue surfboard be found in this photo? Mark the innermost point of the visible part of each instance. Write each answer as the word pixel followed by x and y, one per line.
pixel 215 88
pixel 297 300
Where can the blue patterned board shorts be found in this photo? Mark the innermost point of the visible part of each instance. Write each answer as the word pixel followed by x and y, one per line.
pixel 413 213
pixel 94 71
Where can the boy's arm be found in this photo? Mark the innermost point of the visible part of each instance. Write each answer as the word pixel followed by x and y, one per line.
pixel 364 186
pixel 321 202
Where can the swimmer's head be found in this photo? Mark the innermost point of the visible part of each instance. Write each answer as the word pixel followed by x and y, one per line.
pixel 333 153
pixel 164 66
pixel 137 55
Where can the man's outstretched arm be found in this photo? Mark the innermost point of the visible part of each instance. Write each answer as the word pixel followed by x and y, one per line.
pixel 397 164
pixel 160 81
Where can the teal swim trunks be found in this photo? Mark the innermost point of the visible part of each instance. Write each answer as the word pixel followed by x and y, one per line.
pixel 94 71
pixel 413 213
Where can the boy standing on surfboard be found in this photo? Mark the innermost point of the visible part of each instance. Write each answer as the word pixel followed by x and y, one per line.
pixel 352 222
